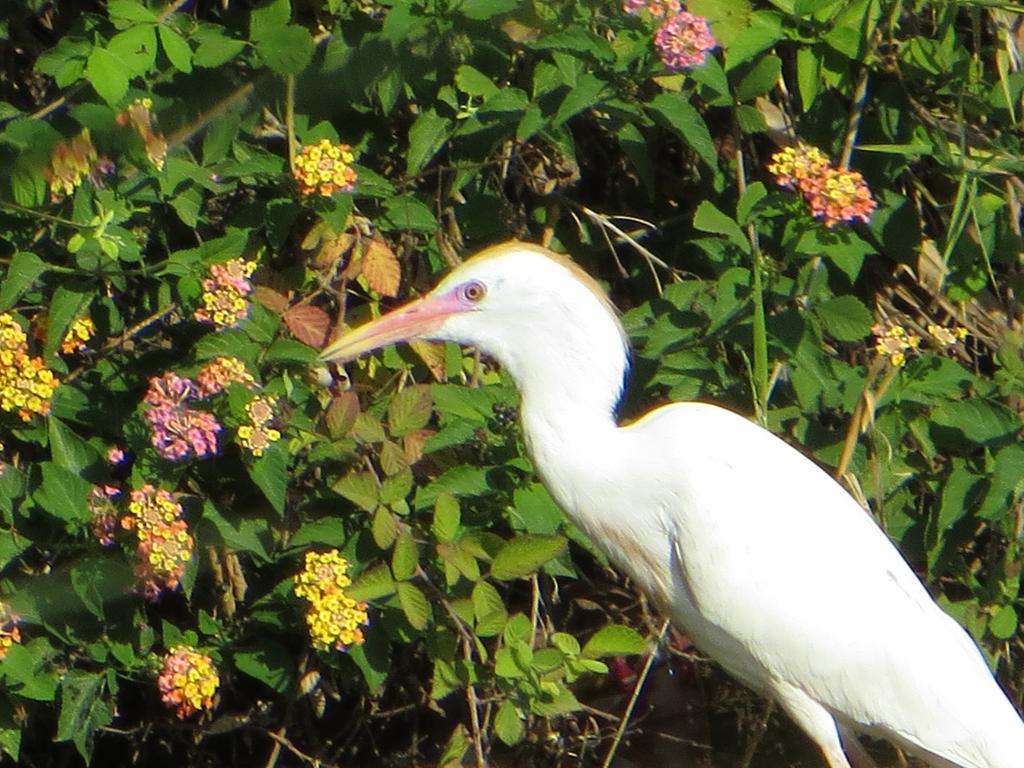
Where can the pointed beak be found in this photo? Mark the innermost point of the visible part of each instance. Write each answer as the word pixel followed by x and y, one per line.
pixel 418 319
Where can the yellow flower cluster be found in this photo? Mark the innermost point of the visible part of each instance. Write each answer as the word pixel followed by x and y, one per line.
pixel 257 436
pixel 325 168
pixel 334 619
pixel 187 681
pixel 946 337
pixel 893 341
pixel 26 384
pixel 216 375
pixel 139 117
pixel 9 632
pixel 78 335
pixel 165 545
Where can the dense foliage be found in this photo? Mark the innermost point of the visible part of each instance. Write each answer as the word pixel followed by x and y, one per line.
pixel 213 552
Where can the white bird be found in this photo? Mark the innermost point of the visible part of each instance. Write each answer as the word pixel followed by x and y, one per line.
pixel 765 561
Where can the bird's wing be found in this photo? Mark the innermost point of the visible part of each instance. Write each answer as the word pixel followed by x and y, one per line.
pixel 778 558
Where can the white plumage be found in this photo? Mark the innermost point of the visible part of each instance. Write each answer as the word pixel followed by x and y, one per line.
pixel 765 561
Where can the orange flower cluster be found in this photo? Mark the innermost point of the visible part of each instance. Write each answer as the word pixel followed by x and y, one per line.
pixel 139 117
pixel 26 384
pixel 225 292
pixel 187 681
pixel 257 436
pixel 78 335
pixel 9 632
pixel 164 543
pixel 334 619
pixel 71 161
pixel 324 168
pixel 216 375
pixel 893 341
pixel 834 194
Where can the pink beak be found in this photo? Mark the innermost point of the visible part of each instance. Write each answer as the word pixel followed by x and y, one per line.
pixel 416 320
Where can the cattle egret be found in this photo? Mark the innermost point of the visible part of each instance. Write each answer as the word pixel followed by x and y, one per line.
pixel 765 561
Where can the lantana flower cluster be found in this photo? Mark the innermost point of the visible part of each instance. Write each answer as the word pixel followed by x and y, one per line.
pixel 71 161
pixel 26 384
pixel 78 335
pixel 683 39
pixel 188 681
pixel 220 372
pixel 894 341
pixel 946 337
pixel 325 168
pixel 165 545
pixel 334 619
pixel 225 293
pixel 257 435
pixel 9 631
pixel 834 194
pixel 103 506
pixel 178 430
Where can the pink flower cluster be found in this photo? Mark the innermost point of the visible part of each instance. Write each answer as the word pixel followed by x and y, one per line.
pixel 834 194
pixel 220 372
pixel 104 513
pixel 683 39
pixel 187 681
pixel 179 431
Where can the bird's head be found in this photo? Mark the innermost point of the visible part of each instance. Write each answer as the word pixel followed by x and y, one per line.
pixel 533 310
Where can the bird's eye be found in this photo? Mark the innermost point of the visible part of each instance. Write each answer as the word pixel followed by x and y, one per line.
pixel 473 291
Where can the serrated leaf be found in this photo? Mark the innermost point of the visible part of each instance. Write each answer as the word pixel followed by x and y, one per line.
pixel 461 559
pixel 447 517
pixel 432 354
pixel 380 268
pixel 753 194
pixel 108 75
pixel 488 610
pixel 414 604
pixel 64 495
pixel 708 218
pixel 360 488
pixel 844 318
pixel 82 710
pixel 270 473
pixel 405 558
pixel 614 640
pixel 267 661
pixel 675 112
pixel 427 135
pixel 508 723
pixel 409 409
pixel 981 421
pixel 25 268
pixel 524 555
pixel 178 51
pixel 372 584
pixel 384 527
pixel 342 413
pixel 308 324
pixel 131 10
pixel 287 50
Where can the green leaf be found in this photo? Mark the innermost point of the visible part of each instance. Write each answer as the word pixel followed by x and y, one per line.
pixel 474 82
pixel 583 95
pixel 178 51
pixel 447 517
pixel 242 533
pixel 751 196
pixel 536 510
pixel 524 555
pixel 131 10
pixel 1003 623
pixel 482 10
pixel 427 135
pixel 414 604
pixel 372 584
pixel 675 112
pixel 508 723
pixel 269 662
pixel 68 449
pixel 409 409
pixel 980 421
pixel 361 488
pixel 64 495
pixel 488 610
pixel 25 268
pixel 614 640
pixel 325 530
pixel 406 556
pixel 82 710
pixel 215 48
pixel 27 667
pixel 407 213
pixel 844 318
pixel 762 78
pixel 708 218
pixel 287 50
pixel 384 527
pixel 270 473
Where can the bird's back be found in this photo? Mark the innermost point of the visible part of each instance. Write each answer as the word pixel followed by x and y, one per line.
pixel 787 579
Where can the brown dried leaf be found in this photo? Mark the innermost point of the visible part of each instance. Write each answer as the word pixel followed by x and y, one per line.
pixel 332 252
pixel 271 299
pixel 413 442
pixel 381 269
pixel 308 324
pixel 432 354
